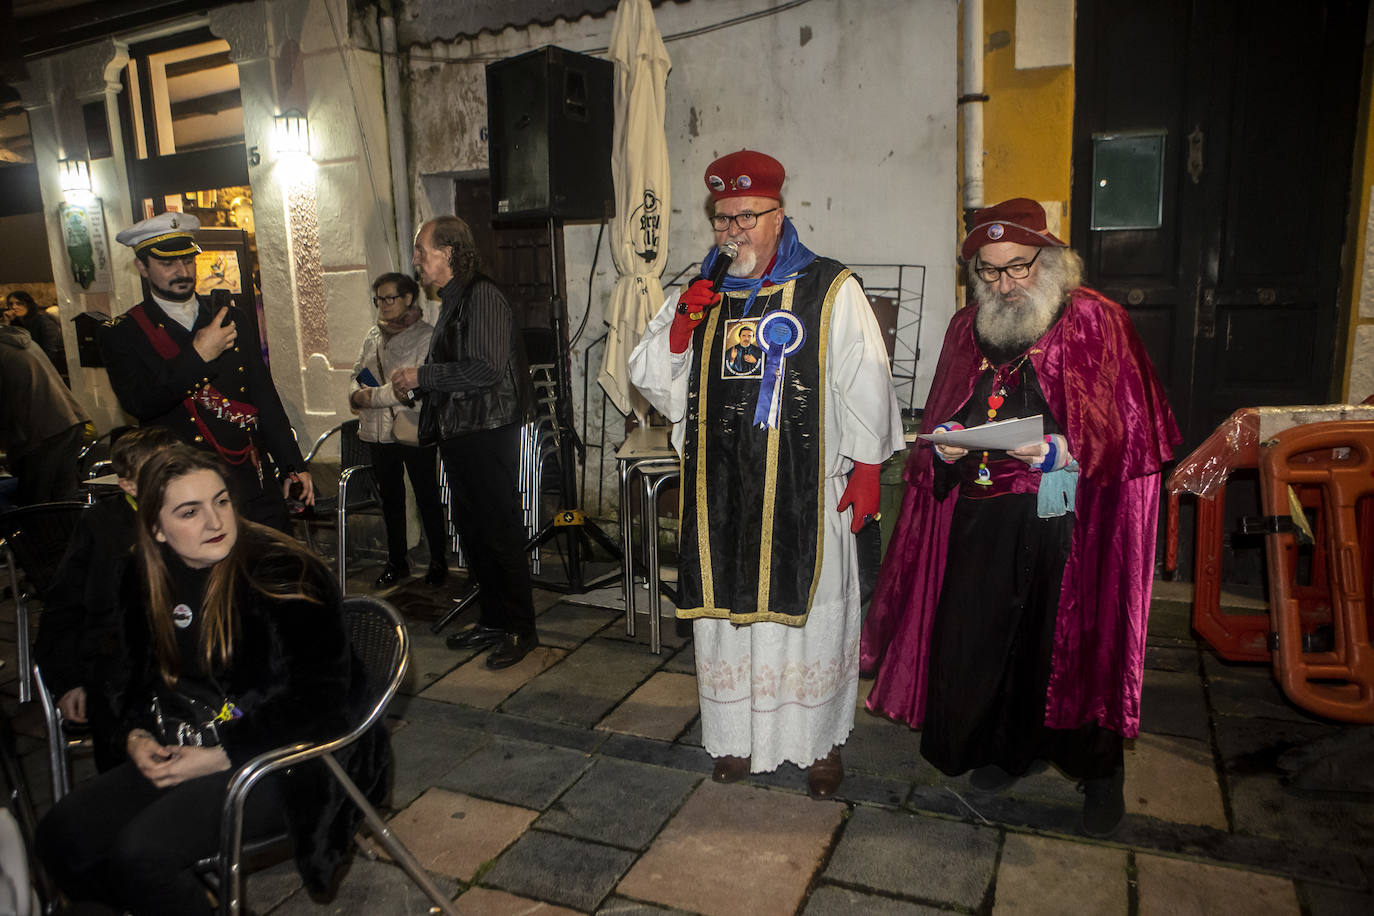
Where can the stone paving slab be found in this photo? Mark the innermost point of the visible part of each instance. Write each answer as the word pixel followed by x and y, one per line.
pixel 370 889
pixel 622 906
pixel 562 870
pixel 588 683
pixel 880 746
pixel 430 657
pixel 680 756
pixel 660 708
pixel 684 661
pixel 1039 876
pixel 760 849
pixel 474 684
pixel 1254 746
pixel 830 900
pixel 1331 901
pixel 517 772
pixel 992 809
pixel 423 753
pixel 1261 806
pixel 619 803
pixel 925 858
pixel 455 834
pixel 1178 887
pixel 1173 703
pixel 1170 658
pixel 1173 779
pixel 1239 689
pixel 568 625
pixel 481 901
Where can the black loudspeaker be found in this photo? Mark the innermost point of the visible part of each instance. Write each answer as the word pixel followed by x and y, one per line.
pixel 549 122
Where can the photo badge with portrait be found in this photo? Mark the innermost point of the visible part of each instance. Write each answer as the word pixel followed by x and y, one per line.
pixel 743 356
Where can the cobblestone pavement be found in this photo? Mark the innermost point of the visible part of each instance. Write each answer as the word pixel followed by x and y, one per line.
pixel 575 782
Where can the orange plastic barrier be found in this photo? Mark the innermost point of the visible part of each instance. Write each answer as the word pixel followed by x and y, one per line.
pixel 1332 465
pixel 1233 445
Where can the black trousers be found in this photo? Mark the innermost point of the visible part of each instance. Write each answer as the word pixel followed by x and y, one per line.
pixel 389 461
pixel 483 479
pixel 119 840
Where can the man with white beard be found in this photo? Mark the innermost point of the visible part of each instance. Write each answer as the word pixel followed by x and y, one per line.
pixel 779 471
pixel 1009 618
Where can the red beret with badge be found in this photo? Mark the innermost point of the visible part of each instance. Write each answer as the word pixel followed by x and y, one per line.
pixel 746 173
pixel 1019 220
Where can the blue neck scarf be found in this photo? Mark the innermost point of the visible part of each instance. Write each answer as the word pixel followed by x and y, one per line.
pixel 792 257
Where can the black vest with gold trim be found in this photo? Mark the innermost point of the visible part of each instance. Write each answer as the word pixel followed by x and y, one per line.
pixel 753 497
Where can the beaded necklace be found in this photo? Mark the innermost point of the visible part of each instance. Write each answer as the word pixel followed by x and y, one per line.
pixel 1004 376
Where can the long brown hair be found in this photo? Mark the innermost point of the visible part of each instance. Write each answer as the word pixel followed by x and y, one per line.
pixel 218 610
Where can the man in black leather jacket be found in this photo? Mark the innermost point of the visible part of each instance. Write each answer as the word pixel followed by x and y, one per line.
pixel 476 394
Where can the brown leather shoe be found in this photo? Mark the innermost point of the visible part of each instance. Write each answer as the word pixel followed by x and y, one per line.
pixel 825 775
pixel 730 769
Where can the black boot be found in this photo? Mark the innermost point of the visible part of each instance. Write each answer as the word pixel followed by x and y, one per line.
pixel 391 574
pixel 1104 803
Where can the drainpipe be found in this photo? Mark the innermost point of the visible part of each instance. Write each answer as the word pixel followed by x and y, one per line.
pixel 395 132
pixel 971 104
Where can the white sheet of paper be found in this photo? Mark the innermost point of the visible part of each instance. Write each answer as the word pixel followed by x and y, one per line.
pixel 1004 434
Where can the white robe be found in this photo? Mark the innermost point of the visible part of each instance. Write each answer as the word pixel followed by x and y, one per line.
pixel 769 691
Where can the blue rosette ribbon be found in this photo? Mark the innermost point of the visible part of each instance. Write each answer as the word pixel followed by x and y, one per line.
pixel 780 334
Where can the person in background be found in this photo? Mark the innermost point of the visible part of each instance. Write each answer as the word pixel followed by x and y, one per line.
pixel 237 646
pixel 390 425
pixel 80 645
pixel 41 423
pixel 780 471
pixel 175 361
pixel 477 396
pixel 1010 613
pixel 44 328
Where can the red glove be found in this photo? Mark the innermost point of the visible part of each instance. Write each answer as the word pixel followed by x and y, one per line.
pixel 691 311
pixel 863 493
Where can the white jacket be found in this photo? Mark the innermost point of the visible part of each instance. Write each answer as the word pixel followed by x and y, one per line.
pixel 385 418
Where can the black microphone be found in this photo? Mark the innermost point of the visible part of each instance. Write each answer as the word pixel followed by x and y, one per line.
pixel 725 256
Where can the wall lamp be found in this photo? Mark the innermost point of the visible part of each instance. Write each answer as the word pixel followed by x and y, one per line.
pixel 75 175
pixel 292 133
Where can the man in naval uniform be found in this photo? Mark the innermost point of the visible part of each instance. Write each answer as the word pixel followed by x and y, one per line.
pixel 780 469
pixel 176 362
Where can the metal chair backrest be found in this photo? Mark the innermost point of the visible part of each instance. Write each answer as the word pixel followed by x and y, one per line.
pixel 381 642
pixel 38 535
pixel 352 451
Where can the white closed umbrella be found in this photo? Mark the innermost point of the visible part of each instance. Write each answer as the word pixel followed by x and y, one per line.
pixel 639 167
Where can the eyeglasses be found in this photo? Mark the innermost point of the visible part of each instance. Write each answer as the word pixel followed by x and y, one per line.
pixel 378 300
pixel 990 274
pixel 746 220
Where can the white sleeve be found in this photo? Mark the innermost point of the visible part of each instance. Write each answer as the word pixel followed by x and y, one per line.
pixel 659 374
pixel 863 404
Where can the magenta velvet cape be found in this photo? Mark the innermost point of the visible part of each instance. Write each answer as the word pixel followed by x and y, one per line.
pixel 1100 386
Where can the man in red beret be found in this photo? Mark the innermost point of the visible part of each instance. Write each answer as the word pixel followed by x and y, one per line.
pixel 1009 618
pixel 780 470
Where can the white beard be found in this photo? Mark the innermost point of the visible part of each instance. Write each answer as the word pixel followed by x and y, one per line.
pixel 1016 321
pixel 744 264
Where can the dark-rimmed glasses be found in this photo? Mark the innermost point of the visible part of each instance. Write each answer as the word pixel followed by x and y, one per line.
pixel 989 274
pixel 379 300
pixel 745 221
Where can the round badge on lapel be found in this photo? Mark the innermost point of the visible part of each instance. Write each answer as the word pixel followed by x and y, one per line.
pixel 781 332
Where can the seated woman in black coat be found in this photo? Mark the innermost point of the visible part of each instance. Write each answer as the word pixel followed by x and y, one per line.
pixel 237 646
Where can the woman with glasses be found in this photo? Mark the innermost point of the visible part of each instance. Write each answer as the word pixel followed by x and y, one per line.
pixel 390 425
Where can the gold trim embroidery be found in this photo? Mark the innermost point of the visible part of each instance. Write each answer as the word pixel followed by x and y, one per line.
pixel 708 582
pixel 827 312
pixel 770 486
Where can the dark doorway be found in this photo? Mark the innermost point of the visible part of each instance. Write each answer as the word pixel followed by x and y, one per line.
pixel 1236 290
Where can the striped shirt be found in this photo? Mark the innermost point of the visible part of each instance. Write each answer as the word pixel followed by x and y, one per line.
pixel 490 325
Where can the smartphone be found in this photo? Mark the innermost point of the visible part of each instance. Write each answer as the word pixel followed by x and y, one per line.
pixel 221 299
pixel 368 379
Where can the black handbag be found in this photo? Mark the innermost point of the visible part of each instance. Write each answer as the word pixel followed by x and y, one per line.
pixel 187 721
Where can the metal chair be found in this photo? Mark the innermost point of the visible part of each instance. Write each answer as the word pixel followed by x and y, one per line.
pixel 381 642
pixel 35 538
pixel 357 491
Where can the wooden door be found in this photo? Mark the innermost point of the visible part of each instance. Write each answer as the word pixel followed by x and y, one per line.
pixel 1236 292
